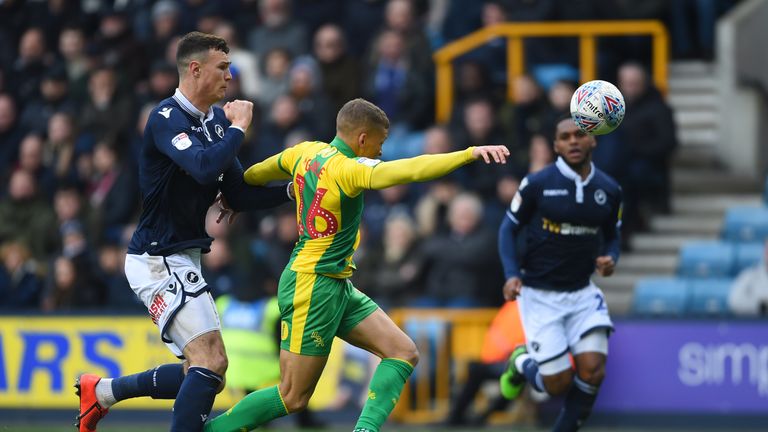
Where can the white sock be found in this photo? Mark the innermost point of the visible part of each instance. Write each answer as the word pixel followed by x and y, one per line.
pixel 104 393
pixel 520 360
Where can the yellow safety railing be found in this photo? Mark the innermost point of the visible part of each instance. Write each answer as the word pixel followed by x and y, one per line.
pixel 454 338
pixel 586 31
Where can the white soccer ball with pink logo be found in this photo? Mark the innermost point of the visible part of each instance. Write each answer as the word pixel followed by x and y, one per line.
pixel 597 107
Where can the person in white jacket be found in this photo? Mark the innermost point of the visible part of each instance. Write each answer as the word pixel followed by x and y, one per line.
pixel 749 292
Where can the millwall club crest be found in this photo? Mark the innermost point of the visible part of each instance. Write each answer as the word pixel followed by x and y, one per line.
pixel 219 130
pixel 192 277
pixel 600 197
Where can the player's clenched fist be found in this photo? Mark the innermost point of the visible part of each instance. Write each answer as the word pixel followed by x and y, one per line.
pixel 512 288
pixel 239 112
pixel 497 153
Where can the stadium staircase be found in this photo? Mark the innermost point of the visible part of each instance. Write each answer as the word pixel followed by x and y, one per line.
pixel 702 187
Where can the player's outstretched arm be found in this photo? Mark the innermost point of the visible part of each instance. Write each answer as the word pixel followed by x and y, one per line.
pixel 429 167
pixel 266 171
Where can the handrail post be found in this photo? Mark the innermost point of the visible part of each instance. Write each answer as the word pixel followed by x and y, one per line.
pixel 587 62
pixel 515 63
pixel 660 58
pixel 444 84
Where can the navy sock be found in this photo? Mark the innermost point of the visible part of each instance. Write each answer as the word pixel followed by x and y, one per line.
pixel 195 399
pixel 162 382
pixel 532 375
pixel 578 406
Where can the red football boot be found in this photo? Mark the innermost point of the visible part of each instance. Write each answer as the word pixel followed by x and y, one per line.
pixel 91 410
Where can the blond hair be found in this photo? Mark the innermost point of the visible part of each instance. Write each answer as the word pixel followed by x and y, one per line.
pixel 359 113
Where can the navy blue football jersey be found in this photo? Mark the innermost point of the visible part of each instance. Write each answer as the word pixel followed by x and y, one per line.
pixel 186 158
pixel 568 223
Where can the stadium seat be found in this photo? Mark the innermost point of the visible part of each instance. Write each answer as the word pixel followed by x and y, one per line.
pixel 660 296
pixel 746 224
pixel 747 254
pixel 705 259
pixel 709 296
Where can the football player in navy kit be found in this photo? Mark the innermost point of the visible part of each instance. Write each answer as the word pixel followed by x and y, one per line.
pixel 189 155
pixel 571 212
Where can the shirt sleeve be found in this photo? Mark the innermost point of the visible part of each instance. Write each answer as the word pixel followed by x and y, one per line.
pixel 277 167
pixel 242 196
pixel 204 164
pixel 519 213
pixel 363 173
pixel 612 230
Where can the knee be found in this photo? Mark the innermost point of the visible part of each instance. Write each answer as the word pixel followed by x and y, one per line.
pixel 409 353
pixel 558 384
pixel 294 401
pixel 215 362
pixel 593 374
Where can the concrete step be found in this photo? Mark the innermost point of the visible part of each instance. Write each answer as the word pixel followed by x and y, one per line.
pixel 696 156
pixel 711 205
pixel 664 243
pixel 709 181
pixel 691 68
pixel 706 84
pixel 619 303
pixel 656 263
pixel 693 101
pixel 703 224
pixel 698 136
pixel 696 119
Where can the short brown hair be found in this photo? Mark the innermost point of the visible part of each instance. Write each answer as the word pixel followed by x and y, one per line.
pixel 194 44
pixel 359 113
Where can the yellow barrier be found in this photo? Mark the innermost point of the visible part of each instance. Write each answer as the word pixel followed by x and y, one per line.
pixel 448 339
pixel 586 31
pixel 40 357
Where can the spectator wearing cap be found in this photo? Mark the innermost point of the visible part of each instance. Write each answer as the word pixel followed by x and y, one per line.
pixel 54 97
pixel 165 25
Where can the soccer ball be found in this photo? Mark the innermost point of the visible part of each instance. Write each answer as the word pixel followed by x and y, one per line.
pixel 597 107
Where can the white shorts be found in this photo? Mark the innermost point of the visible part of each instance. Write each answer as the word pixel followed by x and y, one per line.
pixel 175 294
pixel 554 322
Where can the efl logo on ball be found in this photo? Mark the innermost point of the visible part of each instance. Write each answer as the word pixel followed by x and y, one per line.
pixel 597 107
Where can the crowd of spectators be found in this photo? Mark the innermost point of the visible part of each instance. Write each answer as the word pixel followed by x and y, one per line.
pixel 78 80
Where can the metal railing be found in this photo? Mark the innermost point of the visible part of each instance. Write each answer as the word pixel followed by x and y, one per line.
pixel 586 31
pixel 447 339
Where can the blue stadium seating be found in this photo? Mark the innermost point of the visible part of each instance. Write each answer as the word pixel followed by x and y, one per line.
pixel 747 254
pixel 660 296
pixel 705 259
pixel 709 296
pixel 745 224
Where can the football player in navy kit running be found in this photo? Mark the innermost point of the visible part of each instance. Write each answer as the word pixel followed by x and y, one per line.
pixel 571 212
pixel 188 156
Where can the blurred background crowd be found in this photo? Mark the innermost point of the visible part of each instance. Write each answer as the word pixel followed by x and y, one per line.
pixel 78 80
